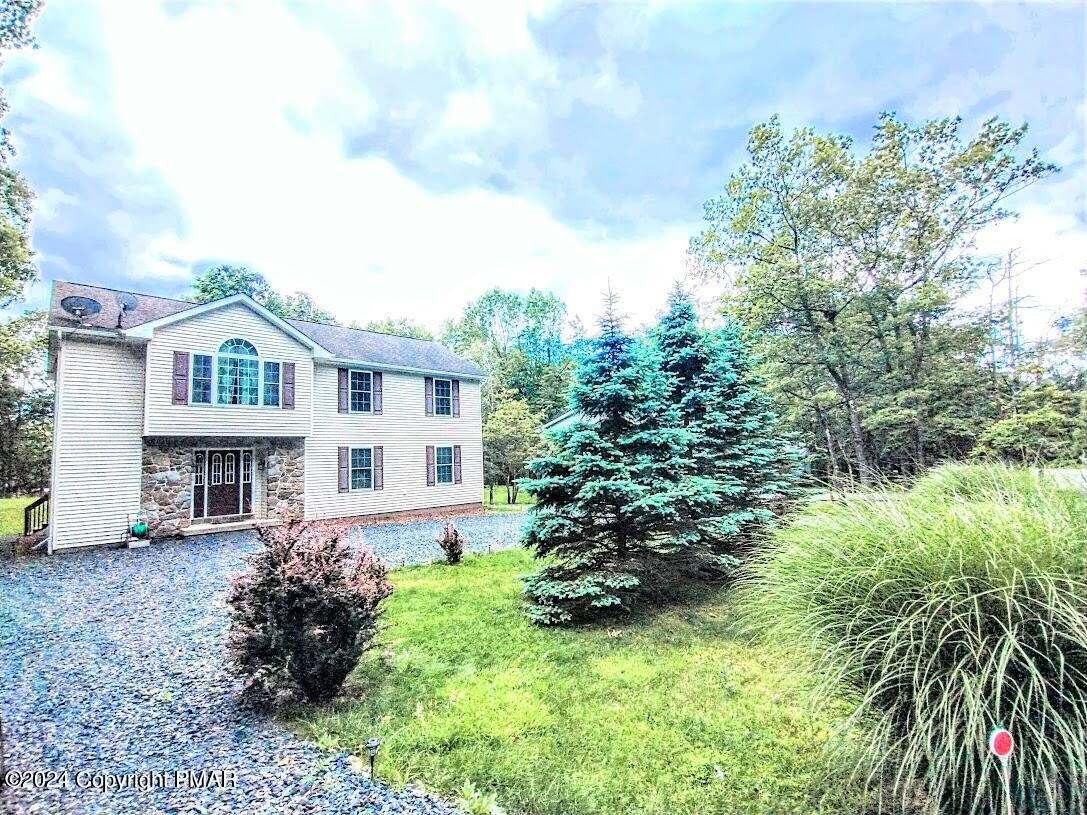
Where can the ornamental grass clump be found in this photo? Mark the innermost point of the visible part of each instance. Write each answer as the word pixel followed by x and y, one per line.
pixel 304 612
pixel 942 613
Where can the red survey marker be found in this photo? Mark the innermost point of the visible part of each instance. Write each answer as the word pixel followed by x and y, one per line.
pixel 1001 743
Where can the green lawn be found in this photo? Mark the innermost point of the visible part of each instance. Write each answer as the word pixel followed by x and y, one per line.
pixel 11 515
pixel 675 714
pixel 523 501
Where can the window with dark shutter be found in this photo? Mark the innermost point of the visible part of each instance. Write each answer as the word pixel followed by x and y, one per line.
pixel 379 467
pixel 430 478
pixel 428 394
pixel 341 377
pixel 202 383
pixel 288 386
pixel 181 378
pixel 456 464
pixel 377 393
pixel 455 387
pixel 345 469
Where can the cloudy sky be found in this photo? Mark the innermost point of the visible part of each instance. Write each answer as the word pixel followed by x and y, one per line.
pixel 401 158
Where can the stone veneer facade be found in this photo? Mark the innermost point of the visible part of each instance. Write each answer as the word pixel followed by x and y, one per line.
pixel 167 484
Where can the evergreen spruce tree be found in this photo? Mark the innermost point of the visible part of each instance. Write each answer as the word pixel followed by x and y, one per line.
pixel 606 495
pixel 738 456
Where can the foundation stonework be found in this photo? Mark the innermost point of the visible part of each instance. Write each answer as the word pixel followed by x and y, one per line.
pixel 285 479
pixel 166 491
pixel 166 494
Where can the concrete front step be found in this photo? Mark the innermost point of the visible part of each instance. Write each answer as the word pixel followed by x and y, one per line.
pixel 204 528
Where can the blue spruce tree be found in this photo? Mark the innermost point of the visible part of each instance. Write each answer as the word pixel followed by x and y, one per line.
pixel 738 455
pixel 607 495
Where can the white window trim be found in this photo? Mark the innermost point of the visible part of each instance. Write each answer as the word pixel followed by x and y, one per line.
pixel 350 407
pixel 351 468
pixel 448 415
pixel 215 355
pixel 264 362
pixel 452 466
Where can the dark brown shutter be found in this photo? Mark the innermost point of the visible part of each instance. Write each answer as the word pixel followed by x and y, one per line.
pixel 181 377
pixel 456 464
pixel 377 396
pixel 345 469
pixel 288 386
pixel 430 465
pixel 341 375
pixel 428 392
pixel 379 468
pixel 455 388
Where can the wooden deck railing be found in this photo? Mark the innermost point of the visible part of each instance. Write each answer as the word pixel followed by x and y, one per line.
pixel 36 515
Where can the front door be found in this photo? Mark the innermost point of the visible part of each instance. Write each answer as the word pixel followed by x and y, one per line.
pixel 224 483
pixel 224 486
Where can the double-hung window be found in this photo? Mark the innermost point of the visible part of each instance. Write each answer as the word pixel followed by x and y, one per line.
pixel 443 399
pixel 237 371
pixel 362 468
pixel 443 464
pixel 271 384
pixel 201 379
pixel 362 391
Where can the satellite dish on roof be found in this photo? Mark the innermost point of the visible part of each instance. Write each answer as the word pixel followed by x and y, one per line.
pixel 127 303
pixel 80 307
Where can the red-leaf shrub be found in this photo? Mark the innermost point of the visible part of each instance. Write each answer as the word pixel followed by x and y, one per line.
pixel 305 611
pixel 453 543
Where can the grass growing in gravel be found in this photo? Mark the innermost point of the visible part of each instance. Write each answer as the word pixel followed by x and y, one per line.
pixel 672 714
pixel 11 515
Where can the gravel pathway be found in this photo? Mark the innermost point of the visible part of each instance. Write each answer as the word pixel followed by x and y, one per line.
pixel 112 663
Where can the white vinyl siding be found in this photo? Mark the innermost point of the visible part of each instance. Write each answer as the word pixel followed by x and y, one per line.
pixel 99 448
pixel 204 334
pixel 403 431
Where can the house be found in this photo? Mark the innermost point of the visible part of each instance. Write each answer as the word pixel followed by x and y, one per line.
pixel 205 414
pixel 559 423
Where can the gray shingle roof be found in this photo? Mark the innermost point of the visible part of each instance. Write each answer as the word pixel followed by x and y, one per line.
pixel 386 349
pixel 353 344
pixel 148 307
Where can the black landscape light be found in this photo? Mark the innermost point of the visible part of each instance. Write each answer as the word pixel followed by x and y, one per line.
pixel 372 746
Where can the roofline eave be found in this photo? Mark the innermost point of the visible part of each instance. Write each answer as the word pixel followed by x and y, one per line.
pixel 341 362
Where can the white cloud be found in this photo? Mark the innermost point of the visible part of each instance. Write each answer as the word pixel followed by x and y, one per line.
pixel 241 110
pixel 467 111
pixel 1050 254
pixel 202 98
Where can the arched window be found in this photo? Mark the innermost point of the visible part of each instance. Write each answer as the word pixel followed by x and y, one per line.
pixel 237 373
pixel 238 346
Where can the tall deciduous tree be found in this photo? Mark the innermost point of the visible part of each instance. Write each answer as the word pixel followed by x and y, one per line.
pixel 26 399
pixel 225 280
pixel 16 199
pixel 26 406
pixel 400 326
pixel 511 436
pixel 848 267
pixel 518 340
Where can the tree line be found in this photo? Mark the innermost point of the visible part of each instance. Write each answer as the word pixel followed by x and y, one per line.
pixel 849 269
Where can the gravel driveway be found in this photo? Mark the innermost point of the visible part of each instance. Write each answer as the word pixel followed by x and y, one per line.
pixel 112 663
